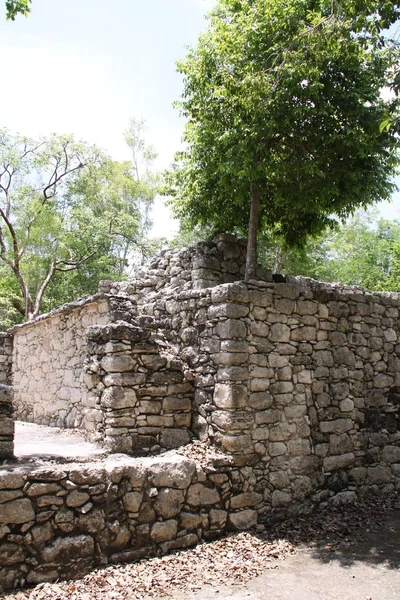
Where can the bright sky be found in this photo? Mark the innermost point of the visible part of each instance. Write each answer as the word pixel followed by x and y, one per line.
pixel 87 66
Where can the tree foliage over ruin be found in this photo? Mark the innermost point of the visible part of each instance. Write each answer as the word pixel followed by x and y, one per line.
pixel 283 106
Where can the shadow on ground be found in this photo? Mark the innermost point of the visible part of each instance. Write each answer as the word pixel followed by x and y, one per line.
pixel 367 532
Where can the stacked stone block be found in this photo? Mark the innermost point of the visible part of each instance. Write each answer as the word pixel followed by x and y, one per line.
pixel 140 401
pixel 6 396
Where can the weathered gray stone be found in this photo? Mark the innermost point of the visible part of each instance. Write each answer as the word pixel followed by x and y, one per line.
pixel 245 500
pixel 173 471
pixel 117 364
pixel 332 463
pixel 245 519
pixel 164 531
pixel 230 395
pixel 200 495
pixel 63 550
pixel 169 502
pixel 116 397
pixel 233 420
pixel 132 501
pixel 17 511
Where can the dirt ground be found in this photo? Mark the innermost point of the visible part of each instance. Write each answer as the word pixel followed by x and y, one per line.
pixel 38 441
pixel 367 570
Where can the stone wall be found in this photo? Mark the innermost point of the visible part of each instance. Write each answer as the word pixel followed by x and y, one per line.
pixel 140 402
pixel 293 384
pixel 63 520
pixel 6 409
pixel 6 344
pixel 48 359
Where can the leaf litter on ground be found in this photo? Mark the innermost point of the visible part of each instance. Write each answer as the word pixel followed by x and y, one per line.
pixel 231 560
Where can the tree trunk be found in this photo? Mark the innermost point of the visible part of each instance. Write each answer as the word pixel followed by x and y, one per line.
pixel 251 259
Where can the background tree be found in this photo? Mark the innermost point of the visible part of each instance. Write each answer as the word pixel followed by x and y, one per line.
pixel 364 251
pixel 15 7
pixel 283 111
pixel 68 216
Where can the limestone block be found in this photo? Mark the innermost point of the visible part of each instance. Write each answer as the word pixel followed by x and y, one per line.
pixel 300 447
pixel 232 373
pixel 218 518
pixel 117 363
pixel 280 498
pixel 132 501
pixel 336 426
pixel 174 438
pixel 200 495
pixel 232 420
pixel 259 385
pixel 391 454
pixel 268 417
pixel 11 554
pixel 17 512
pixel 76 498
pixel 230 395
pixel 62 550
pixel 230 358
pixel 260 400
pixel 280 332
pixel 231 328
pixel 277 448
pixel 234 443
pixel 282 432
pixel 245 500
pixel 190 521
pixel 7 495
pixel 175 472
pixel 169 502
pixel 277 361
pixel 332 463
pixel 346 405
pixel 245 519
pixel 379 475
pixel 230 310
pixel 176 404
pixel 39 489
pixel 340 444
pixel 117 397
pixel 383 380
pixel 301 334
pixel 344 356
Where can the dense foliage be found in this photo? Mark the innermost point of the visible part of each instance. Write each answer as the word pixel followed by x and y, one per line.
pixel 69 216
pixel 283 106
pixel 15 7
pixel 364 251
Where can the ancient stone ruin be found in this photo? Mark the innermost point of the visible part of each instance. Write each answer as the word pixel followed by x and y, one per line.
pixel 292 387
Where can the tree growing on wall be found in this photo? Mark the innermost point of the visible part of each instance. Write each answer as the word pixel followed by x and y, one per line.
pixel 283 106
pixel 65 208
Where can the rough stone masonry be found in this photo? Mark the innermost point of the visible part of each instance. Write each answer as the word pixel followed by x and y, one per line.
pixel 295 383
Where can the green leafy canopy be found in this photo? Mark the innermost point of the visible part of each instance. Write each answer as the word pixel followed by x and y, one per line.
pixel 15 7
pixel 283 104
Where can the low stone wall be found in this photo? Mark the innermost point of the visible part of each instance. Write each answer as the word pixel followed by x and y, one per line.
pixel 48 359
pixel 6 396
pixel 62 521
